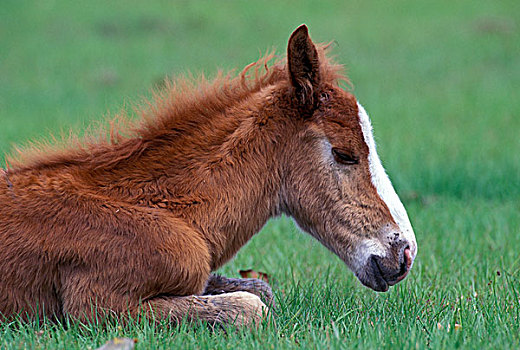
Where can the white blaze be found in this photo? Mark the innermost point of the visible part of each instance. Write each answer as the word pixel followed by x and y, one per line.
pixel 383 184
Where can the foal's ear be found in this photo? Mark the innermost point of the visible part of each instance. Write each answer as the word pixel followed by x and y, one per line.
pixel 303 64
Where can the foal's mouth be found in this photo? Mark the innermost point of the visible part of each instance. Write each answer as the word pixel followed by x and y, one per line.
pixel 382 277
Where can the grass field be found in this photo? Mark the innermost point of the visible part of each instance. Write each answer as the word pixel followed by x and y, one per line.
pixel 440 80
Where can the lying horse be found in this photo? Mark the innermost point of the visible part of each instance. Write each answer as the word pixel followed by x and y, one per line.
pixel 138 219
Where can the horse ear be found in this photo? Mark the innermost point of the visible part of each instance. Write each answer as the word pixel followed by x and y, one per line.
pixel 303 64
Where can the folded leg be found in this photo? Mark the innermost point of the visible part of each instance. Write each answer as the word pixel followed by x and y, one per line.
pixel 237 308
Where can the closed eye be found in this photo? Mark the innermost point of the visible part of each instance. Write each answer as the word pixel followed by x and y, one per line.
pixel 344 157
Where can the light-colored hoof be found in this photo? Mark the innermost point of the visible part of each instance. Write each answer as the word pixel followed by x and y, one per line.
pixel 253 309
pixel 238 308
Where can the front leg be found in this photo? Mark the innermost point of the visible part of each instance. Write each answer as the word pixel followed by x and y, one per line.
pixel 220 284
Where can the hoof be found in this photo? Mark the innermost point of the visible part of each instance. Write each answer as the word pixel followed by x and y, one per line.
pixel 239 308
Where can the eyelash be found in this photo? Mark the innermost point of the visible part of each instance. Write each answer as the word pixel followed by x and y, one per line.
pixel 343 157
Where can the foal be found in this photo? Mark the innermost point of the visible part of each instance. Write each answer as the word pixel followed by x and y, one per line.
pixel 140 222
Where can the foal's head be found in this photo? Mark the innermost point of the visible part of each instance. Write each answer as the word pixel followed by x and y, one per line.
pixel 335 186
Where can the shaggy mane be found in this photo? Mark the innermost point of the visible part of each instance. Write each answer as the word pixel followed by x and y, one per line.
pixel 185 100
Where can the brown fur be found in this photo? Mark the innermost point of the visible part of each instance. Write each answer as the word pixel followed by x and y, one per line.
pixel 142 219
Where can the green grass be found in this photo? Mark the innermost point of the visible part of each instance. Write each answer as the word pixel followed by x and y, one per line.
pixel 440 80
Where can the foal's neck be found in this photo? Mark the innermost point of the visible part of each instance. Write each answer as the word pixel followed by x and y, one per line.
pixel 242 178
pixel 224 177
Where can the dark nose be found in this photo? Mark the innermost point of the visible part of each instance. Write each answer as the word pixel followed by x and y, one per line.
pixel 393 268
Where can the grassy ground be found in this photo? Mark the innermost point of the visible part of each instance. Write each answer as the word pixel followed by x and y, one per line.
pixel 440 80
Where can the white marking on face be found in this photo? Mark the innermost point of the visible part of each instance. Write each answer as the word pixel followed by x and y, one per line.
pixel 368 247
pixel 383 184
